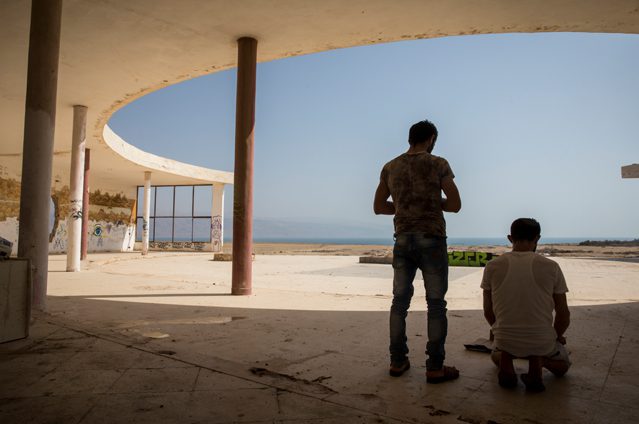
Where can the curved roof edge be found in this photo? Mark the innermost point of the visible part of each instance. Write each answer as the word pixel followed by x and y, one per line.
pixel 158 163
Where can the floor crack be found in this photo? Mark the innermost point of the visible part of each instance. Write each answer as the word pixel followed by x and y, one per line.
pixel 612 361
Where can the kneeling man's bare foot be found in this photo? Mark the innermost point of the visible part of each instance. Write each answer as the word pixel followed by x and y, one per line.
pixel 533 384
pixel 444 374
pixel 507 380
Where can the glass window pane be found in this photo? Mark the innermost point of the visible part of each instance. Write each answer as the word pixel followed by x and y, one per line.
pixel 203 200
pixel 138 230
pixel 151 228
pixel 202 229
pixel 183 228
pixel 163 229
pixel 164 201
pixel 183 201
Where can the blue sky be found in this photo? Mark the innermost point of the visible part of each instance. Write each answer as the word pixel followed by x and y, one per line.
pixel 532 125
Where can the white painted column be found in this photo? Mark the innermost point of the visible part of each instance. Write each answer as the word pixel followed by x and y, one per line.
pixel 146 213
pixel 39 128
pixel 217 218
pixel 76 185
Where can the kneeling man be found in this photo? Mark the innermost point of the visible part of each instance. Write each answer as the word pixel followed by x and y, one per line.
pixel 521 290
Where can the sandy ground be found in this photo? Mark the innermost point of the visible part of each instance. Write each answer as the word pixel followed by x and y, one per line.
pixel 559 250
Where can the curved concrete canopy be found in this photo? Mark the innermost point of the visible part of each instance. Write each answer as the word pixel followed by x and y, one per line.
pixel 113 52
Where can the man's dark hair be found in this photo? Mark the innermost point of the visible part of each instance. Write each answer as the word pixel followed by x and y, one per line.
pixel 421 132
pixel 525 229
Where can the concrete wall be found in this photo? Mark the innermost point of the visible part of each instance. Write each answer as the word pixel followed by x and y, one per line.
pixel 111 218
pixel 103 237
pixel 181 245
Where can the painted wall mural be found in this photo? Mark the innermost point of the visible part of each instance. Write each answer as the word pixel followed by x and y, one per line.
pixel 111 218
pixel 216 233
pixel 179 245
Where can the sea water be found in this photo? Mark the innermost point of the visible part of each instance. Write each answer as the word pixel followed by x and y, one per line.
pixel 452 241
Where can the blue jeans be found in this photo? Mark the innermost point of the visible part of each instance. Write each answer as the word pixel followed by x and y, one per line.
pixel 414 251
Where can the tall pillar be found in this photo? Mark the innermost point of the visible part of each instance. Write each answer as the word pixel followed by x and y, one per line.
pixel 146 212
pixel 37 151
pixel 217 218
pixel 85 204
pixel 74 220
pixel 243 187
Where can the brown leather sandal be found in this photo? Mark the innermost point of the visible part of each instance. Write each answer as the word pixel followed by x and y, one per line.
pixel 450 373
pixel 399 368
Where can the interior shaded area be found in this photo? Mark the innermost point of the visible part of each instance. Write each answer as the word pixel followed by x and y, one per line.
pixel 123 344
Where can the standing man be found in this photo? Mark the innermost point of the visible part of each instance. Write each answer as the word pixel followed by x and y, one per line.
pixel 414 181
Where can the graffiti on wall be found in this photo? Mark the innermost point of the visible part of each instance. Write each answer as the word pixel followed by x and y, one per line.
pixel 216 233
pixel 178 245
pixel 468 258
pixel 59 241
pixel 103 237
pixel 76 209
pixel 110 227
pixel 97 235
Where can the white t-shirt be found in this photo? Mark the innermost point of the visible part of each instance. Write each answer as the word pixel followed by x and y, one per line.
pixel 522 286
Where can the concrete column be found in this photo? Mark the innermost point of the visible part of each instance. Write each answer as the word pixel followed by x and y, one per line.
pixel 243 187
pixel 74 220
pixel 217 218
pixel 37 151
pixel 85 204
pixel 146 213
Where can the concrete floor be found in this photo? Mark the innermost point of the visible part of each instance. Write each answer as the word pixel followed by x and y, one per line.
pixel 158 339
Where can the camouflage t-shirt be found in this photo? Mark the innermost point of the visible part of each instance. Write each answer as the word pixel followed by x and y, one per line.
pixel 414 181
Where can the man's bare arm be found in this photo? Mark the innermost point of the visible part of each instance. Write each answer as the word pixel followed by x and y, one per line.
pixel 381 205
pixel 452 202
pixel 562 315
pixel 488 307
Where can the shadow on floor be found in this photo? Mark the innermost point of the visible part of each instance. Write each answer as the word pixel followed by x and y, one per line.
pixel 116 354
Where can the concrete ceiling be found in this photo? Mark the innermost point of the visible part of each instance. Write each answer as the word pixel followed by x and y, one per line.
pixel 114 51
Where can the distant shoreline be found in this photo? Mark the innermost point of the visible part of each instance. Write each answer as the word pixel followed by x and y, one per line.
pixel 604 243
pixel 325 249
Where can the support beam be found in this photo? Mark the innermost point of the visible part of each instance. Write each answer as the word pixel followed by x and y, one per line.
pixel 76 184
pixel 146 212
pixel 37 151
pixel 217 218
pixel 85 204
pixel 243 187
pixel 630 171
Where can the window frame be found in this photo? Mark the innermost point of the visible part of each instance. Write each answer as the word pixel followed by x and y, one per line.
pixel 153 216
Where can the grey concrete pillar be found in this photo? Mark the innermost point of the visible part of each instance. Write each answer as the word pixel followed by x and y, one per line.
pixel 85 204
pixel 217 218
pixel 76 184
pixel 37 151
pixel 146 212
pixel 243 187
